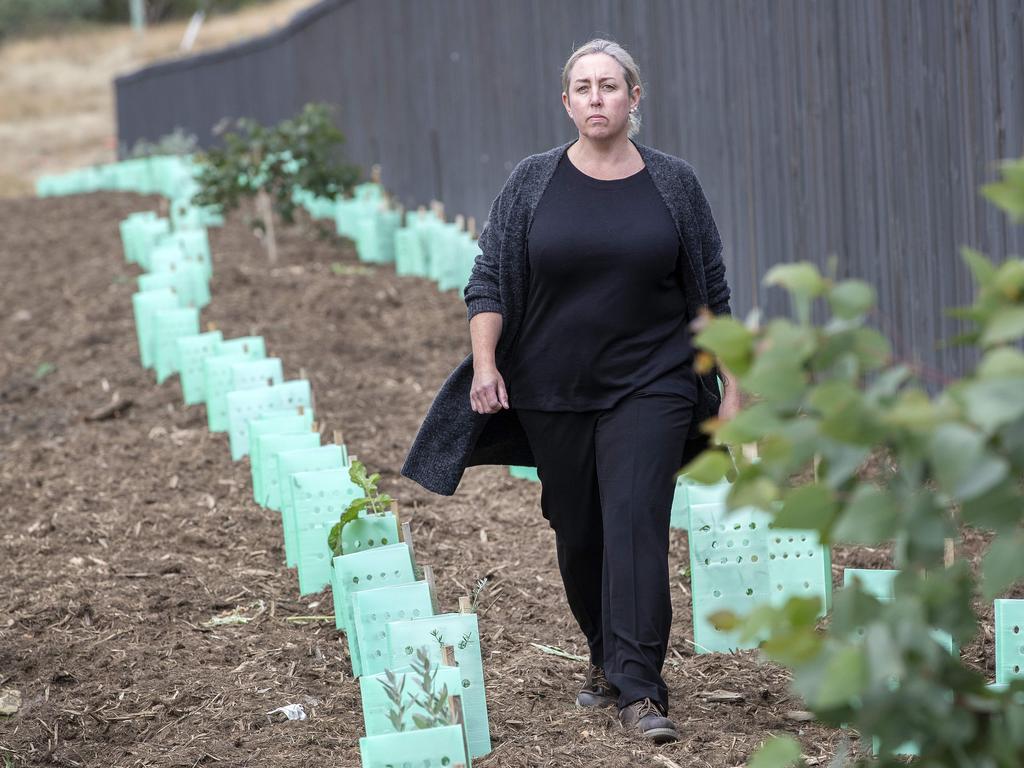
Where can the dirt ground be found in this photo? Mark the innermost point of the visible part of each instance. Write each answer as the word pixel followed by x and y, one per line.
pixel 119 538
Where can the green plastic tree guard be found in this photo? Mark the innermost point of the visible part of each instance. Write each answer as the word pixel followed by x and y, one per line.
pixel 374 609
pixel 269 446
pixel 191 351
pixel 462 631
pixel 524 473
pixel 443 747
pixel 246 405
pixel 187 281
pixel 184 215
pixel 409 260
pixel 144 305
pixel 305 460
pixel 319 498
pixel 217 375
pixel 1009 640
pixel 376 703
pixel 194 246
pixel 277 423
pixel 358 538
pixel 368 532
pixel 799 566
pixel 381 566
pixel 678 517
pixel 168 326
pixel 249 375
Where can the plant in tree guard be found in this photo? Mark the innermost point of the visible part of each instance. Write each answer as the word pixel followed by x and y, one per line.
pixel 373 502
pixel 826 398
pixel 268 164
pixel 433 703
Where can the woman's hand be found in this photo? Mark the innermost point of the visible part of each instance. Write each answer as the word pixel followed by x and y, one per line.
pixel 730 395
pixel 488 395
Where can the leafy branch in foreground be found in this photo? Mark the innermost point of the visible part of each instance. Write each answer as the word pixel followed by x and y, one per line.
pixel 374 502
pixel 833 395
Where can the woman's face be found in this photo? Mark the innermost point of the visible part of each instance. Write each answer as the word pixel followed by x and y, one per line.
pixel 598 100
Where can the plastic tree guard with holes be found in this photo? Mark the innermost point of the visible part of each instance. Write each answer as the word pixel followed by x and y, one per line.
pixel 168 326
pixel 249 404
pixel 277 423
pixel 144 306
pixel 461 631
pixel 373 609
pixel 319 498
pixel 390 564
pixel 444 747
pixel 306 460
pixel 192 350
pixel 376 703
pixel 217 376
pixel 268 447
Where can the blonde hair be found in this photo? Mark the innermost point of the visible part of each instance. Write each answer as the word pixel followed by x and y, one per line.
pixel 629 69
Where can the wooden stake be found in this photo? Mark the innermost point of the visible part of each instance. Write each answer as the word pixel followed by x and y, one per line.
pixel 465 604
pixel 267 214
pixel 316 427
pixel 471 226
pixel 428 576
pixel 407 538
pixel 339 437
pixel 211 327
pixel 375 173
pixel 949 552
pixel 460 222
pixel 455 714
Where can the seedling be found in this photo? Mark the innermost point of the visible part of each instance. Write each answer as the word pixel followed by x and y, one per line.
pixel 374 503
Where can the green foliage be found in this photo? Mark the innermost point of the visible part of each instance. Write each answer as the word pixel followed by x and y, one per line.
pixel 175 143
pixel 834 393
pixel 296 153
pixel 374 502
pixel 433 703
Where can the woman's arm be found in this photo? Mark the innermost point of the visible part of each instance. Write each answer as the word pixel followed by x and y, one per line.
pixel 487 394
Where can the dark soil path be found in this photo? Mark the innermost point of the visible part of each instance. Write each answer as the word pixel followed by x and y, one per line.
pixel 120 538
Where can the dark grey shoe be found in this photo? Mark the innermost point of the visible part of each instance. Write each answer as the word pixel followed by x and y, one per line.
pixel 646 717
pixel 597 691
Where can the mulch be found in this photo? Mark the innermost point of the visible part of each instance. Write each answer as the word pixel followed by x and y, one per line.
pixel 122 534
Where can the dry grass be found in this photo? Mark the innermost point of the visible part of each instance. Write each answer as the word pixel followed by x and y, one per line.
pixel 56 92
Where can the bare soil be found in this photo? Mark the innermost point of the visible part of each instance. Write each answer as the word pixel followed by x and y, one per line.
pixel 119 538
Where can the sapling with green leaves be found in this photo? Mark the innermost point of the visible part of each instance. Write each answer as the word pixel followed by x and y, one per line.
pixel 267 164
pixel 434 704
pixel 374 502
pixel 825 400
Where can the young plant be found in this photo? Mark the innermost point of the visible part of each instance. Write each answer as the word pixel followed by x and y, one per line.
pixel 268 164
pixel 830 398
pixel 434 704
pixel 376 503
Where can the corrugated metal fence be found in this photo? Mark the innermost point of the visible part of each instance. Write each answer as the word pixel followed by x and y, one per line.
pixel 856 127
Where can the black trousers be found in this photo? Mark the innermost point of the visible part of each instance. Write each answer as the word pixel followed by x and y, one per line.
pixel 608 478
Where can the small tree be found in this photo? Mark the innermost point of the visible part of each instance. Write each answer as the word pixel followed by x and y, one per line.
pixel 828 398
pixel 269 164
pixel 375 502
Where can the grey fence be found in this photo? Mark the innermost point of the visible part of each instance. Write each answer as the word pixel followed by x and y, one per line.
pixel 856 127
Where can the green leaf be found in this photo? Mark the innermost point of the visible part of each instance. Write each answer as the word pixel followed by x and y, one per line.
pixel 708 467
pixel 729 340
pixel 809 507
pixel 994 402
pixel 870 517
pixel 777 752
pixel 850 299
pixel 1001 361
pixel 800 278
pixel 980 265
pixel 749 425
pixel 334 540
pixel 724 621
pixel 999 509
pixel 1006 324
pixel 1009 197
pixel 1002 565
pixel 840 680
pixel 963 466
pixel 422 722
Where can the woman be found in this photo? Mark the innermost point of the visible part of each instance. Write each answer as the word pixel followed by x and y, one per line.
pixel 594 259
